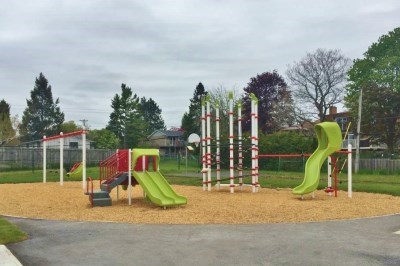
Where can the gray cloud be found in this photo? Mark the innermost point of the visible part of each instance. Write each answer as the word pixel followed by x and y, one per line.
pixel 162 49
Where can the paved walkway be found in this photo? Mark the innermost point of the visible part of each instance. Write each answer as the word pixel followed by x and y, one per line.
pixel 355 242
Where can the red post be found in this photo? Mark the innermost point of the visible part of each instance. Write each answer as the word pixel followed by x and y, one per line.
pixel 155 163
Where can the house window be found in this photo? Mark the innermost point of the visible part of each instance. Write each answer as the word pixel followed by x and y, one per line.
pixel 73 145
pixel 342 121
pixel 172 139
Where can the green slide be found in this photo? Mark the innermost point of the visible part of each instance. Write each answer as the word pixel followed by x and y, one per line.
pixel 157 189
pixel 329 140
pixel 76 170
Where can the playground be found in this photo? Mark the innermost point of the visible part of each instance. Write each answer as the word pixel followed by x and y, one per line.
pixel 132 184
pixel 55 202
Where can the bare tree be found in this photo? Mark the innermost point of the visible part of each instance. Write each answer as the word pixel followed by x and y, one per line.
pixel 318 81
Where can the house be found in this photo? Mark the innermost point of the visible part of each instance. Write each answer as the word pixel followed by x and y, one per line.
pixel 73 142
pixel 169 142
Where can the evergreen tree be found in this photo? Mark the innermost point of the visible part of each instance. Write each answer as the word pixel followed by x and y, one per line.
pixel 152 115
pixel 7 132
pixel 126 120
pixel 191 120
pixel 42 115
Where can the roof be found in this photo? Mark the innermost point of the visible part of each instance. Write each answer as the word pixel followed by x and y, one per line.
pixel 167 133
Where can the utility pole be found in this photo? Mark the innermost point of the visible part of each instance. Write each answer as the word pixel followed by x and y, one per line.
pixel 84 123
pixel 357 162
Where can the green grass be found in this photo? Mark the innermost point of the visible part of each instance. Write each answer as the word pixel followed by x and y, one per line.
pixel 373 183
pixel 10 233
pixel 53 175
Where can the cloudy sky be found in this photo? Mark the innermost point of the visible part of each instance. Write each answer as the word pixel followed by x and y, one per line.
pixel 163 49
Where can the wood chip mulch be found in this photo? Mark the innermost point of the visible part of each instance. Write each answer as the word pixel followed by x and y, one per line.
pixel 55 202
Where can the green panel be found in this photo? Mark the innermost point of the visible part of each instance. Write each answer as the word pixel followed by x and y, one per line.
pixel 329 140
pixel 157 189
pixel 136 153
pixel 77 172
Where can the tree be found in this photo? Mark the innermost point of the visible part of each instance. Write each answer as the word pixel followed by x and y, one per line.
pixel 220 97
pixel 126 120
pixel 69 126
pixel 104 139
pixel 318 82
pixel 191 120
pixel 42 115
pixel 274 102
pixel 152 115
pixel 7 132
pixel 378 74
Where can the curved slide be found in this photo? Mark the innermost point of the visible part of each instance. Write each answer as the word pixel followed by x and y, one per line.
pixel 157 189
pixel 329 140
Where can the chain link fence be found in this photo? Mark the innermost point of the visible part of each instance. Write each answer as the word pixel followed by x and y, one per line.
pixel 15 158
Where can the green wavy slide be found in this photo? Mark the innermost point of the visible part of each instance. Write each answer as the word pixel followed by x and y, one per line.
pixel 157 189
pixel 329 140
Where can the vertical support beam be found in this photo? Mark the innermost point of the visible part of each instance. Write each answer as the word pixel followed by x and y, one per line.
pixel 61 159
pixel 349 172
pixel 44 160
pixel 203 143
pixel 357 162
pixel 329 174
pixel 208 116
pixel 253 144
pixel 84 160
pixel 231 154
pixel 256 140
pixel 240 147
pixel 217 142
pixel 130 177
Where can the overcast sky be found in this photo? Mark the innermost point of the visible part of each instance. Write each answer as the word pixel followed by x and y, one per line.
pixel 163 49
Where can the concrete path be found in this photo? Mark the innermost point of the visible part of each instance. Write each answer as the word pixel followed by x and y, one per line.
pixel 7 258
pixel 355 242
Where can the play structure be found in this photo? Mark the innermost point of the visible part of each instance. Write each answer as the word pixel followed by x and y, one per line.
pixel 329 141
pixel 207 145
pixel 130 168
pixel 334 170
pixel 76 170
pixel 61 137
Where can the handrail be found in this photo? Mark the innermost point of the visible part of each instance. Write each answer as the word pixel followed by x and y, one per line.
pixel 89 179
pixel 116 163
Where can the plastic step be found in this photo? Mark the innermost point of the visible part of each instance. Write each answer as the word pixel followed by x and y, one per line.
pixel 102 202
pixel 104 188
pixel 100 194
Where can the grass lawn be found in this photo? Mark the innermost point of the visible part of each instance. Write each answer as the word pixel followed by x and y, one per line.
pixel 9 233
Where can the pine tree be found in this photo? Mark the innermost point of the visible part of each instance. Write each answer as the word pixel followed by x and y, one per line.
pixel 191 120
pixel 152 115
pixel 42 115
pixel 7 132
pixel 126 120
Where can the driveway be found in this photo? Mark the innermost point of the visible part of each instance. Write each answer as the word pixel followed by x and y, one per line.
pixel 354 242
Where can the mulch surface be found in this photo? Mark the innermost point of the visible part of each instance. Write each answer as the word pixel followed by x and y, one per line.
pixel 55 202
